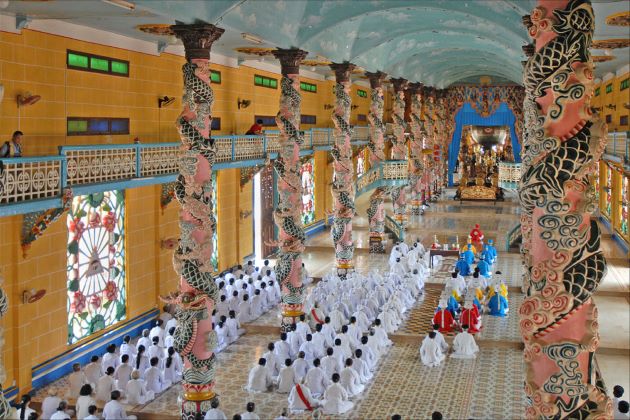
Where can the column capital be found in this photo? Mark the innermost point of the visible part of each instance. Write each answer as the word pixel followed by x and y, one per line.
pixel 415 88
pixel 197 38
pixel 400 84
pixel 376 78
pixel 342 71
pixel 290 59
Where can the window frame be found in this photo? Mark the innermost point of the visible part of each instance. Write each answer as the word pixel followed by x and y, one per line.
pixel 623 120
pixel 362 93
pixel 623 85
pixel 263 78
pixel 304 85
pixel 266 117
pixel 609 88
pixel 97 133
pixel 213 72
pixel 597 91
pixel 98 57
pixel 309 118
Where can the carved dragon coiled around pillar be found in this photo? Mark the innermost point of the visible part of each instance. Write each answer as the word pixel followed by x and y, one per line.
pixel 376 212
pixel 418 134
pixel 399 151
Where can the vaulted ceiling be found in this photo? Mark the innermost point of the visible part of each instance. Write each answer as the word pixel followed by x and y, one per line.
pixel 437 42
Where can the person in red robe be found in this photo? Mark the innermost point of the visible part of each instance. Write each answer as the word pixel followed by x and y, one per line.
pixel 476 236
pixel 444 318
pixel 470 317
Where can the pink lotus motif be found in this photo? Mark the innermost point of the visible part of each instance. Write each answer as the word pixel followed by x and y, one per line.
pixel 78 302
pixel 95 301
pixel 111 290
pixel 109 221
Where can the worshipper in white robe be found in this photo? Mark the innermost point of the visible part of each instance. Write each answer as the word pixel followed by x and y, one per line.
pixel 173 366
pixel 93 370
pixel 294 339
pixel 105 385
pixel 308 348
pixel 282 349
pixel 394 255
pixel 381 335
pixel 158 331
pixel 287 378
pixel 244 310
pixel 128 349
pixel 330 364
pixel 354 332
pixel 316 316
pixel 110 358
pixel 259 379
pixel 221 331
pixel 84 401
pixel 273 363
pixel 233 328
pixel 169 339
pixel 50 403
pixel 316 379
pixel 369 357
pixel 464 346
pixel 359 365
pixel 306 279
pixel 301 399
pixel 266 299
pixel 302 327
pixel 60 413
pixel 622 411
pixel 335 400
pixel 142 361
pixel 430 352
pixel 114 410
pixel 155 349
pixel 250 414
pixel 350 380
pixel 76 380
pixel 136 390
pixel 154 377
pixel 123 373
pixel 346 341
pixel 439 338
pixel 144 340
pixel 215 413
pixel 222 306
pixel 328 331
pixel 319 342
pixel 337 319
pixel 617 395
pixel 301 366
pixel 233 301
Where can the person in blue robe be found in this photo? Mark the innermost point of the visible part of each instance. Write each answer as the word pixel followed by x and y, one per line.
pixel 498 304
pixel 491 252
pixel 462 266
pixel 469 255
pixel 483 266
pixel 453 305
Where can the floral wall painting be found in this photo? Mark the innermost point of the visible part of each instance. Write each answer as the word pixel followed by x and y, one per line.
pixel 96 263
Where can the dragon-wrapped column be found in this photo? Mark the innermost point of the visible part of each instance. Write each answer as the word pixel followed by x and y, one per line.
pixel 287 214
pixel 431 127
pixel 5 407
pixel 376 145
pixel 399 148
pixel 563 262
pixel 342 185
pixel 416 166
pixel 195 338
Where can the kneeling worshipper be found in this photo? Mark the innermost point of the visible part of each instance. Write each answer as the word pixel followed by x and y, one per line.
pixel 464 346
pixel 287 377
pixel 259 379
pixel 336 398
pixel 452 303
pixel 430 353
pixel 462 265
pixel 498 304
pixel 350 380
pixel 316 379
pixel 469 254
pixel 155 378
pixel 439 338
pixel 300 399
pixel 444 318
pixel 491 252
pixel 470 316
pixel 483 266
pixel 215 413
pixel 136 390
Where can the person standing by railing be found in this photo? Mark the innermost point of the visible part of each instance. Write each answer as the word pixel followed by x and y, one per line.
pixel 12 148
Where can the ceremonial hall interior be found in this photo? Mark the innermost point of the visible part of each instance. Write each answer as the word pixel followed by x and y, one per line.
pixel 273 209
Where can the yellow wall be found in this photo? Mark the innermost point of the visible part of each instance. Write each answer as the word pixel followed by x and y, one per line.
pixel 618 98
pixel 35 62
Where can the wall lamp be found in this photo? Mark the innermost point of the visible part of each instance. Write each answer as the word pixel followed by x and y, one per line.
pixel 611 106
pixel 243 103
pixel 165 101
pixel 328 106
pixel 354 106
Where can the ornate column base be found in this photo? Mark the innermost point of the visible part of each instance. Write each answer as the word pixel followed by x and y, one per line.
pixel 193 404
pixel 376 245
pixel 289 319
pixel 345 268
pixel 416 208
pixel 401 219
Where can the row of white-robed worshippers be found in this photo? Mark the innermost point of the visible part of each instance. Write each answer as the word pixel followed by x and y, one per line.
pixel 331 354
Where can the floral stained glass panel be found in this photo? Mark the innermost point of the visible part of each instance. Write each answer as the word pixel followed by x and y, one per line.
pixel 624 206
pixel 308 192
pixel 214 259
pixel 96 263
pixel 608 210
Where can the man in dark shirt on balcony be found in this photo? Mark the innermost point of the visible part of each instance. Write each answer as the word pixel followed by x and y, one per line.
pixel 12 148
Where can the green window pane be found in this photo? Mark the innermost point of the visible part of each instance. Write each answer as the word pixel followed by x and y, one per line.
pixel 609 88
pixel 77 60
pixel 215 76
pixel 77 126
pixel 120 67
pixel 258 80
pixel 313 88
pixel 99 64
pixel 273 83
pixel 597 92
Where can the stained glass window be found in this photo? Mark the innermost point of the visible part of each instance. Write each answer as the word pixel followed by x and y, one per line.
pixel 96 263
pixel 360 164
pixel 623 223
pixel 608 188
pixel 214 259
pixel 308 192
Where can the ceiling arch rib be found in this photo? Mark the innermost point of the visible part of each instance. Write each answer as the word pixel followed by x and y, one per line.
pixel 460 72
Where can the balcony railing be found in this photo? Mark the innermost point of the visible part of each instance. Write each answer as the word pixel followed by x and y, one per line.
pixel 509 175
pixel 395 228
pixel 618 145
pixel 26 180
pixel 390 173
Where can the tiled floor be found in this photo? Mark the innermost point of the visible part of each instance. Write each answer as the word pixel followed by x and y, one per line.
pixel 488 387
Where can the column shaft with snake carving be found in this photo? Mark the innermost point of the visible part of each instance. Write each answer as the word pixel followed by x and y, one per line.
pixel 195 338
pixel 431 139
pixel 343 184
pixel 564 264
pixel 288 212
pixel 399 148
pixel 376 145
pixel 418 133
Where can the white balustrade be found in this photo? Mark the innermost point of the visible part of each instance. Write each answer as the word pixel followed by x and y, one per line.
pixel 395 170
pixel 223 149
pixel 89 165
pixel 30 179
pixel 248 147
pixel 159 159
pixel 320 136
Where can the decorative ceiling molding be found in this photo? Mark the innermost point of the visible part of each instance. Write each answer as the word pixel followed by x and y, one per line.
pixel 619 19
pixel 602 58
pixel 610 44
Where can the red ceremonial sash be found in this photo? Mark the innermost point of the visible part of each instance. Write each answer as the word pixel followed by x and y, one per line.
pixel 303 398
pixel 319 321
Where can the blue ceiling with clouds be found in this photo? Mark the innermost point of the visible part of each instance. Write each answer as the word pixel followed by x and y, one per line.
pixel 437 42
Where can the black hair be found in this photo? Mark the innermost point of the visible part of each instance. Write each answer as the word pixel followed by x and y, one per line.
pixel 92 409
pixel 251 407
pixel 262 361
pixel 335 377
pixel 124 358
pixel 329 351
pixel 396 417
pixel 141 350
pixel 154 361
pixel 364 339
pixel 283 336
pixel 171 331
pixel 337 341
pixel 110 370
pixel 115 394
pixel 270 346
pixel 94 358
pixel 86 390
pixel 309 337
pixel 169 359
pixel 25 400
pixel 259 121
pixel 436 415
pixel 623 407
pixel 127 339
pixel 344 329
pixel 16 133
pixel 432 334
pixel 618 391
pixel 287 362
pixel 316 362
pixel 348 362
pixel 358 353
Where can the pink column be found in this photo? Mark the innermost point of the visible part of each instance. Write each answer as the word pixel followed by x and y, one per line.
pixel 195 339
pixel 376 212
pixel 399 147
pixel 418 133
pixel 343 184
pixel 431 126
pixel 287 214
pixel 561 242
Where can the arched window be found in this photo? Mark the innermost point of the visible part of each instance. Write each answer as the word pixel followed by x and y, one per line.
pixel 308 192
pixel 96 263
